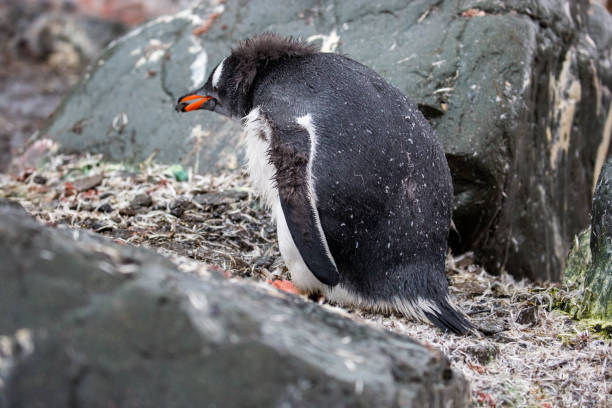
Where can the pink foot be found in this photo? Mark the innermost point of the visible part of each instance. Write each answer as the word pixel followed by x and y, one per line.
pixel 284 285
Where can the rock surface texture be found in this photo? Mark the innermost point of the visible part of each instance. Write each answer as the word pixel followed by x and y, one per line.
pixel 85 322
pixel 518 91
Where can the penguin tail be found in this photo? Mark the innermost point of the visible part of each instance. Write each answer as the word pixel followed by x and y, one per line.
pixel 446 317
pixel 441 312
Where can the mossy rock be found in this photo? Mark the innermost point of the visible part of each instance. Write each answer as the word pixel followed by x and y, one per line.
pixel 584 299
pixel 598 280
pixel 588 271
pixel 578 260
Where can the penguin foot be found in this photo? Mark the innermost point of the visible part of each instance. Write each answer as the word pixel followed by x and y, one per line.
pixel 284 285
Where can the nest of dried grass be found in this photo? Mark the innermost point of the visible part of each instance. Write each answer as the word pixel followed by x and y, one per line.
pixel 528 352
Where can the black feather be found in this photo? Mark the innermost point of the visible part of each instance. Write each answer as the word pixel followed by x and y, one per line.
pixel 263 49
pixel 449 319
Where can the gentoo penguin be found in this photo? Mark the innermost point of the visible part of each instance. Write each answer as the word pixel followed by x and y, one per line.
pixel 356 180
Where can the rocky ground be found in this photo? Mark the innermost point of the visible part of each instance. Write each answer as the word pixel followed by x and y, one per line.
pixel 527 353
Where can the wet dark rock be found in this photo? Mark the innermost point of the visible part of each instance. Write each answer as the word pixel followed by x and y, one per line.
pixel 518 92
pixel 86 322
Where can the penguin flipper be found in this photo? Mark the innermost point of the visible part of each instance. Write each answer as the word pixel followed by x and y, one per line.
pixel 290 154
pixel 304 226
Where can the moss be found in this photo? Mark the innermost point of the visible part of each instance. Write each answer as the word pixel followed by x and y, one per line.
pixel 570 298
pixel 597 327
pixel 578 261
pixel 588 287
pixel 598 282
pixel 603 328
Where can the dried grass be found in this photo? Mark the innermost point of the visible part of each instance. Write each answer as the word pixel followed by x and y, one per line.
pixel 529 355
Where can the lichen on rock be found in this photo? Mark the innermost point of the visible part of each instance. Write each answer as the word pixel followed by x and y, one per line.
pixel 589 266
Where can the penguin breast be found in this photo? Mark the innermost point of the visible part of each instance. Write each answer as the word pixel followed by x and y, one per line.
pixel 256 137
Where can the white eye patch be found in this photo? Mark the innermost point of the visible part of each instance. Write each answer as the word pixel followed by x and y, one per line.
pixel 217 74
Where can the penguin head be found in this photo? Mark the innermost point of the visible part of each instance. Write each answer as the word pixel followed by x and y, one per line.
pixel 221 93
pixel 228 88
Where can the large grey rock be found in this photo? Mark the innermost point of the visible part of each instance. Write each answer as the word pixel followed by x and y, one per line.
pixel 518 91
pixel 85 322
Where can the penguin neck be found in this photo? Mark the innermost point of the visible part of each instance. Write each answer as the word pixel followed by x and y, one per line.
pixel 239 104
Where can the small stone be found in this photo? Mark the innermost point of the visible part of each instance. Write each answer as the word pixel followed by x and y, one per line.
pixel 105 208
pixel 137 205
pixel 500 338
pixel 263 261
pixel 86 207
pixel 142 200
pixel 87 183
pixel 38 179
pixel 101 227
pixel 482 353
pixel 217 199
pixel 489 328
pixel 129 210
pixel 193 217
pixel 178 207
pixel 528 315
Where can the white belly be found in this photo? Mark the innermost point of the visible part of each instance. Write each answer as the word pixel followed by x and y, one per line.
pixel 256 138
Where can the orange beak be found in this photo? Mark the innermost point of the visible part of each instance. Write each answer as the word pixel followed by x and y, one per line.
pixel 199 101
